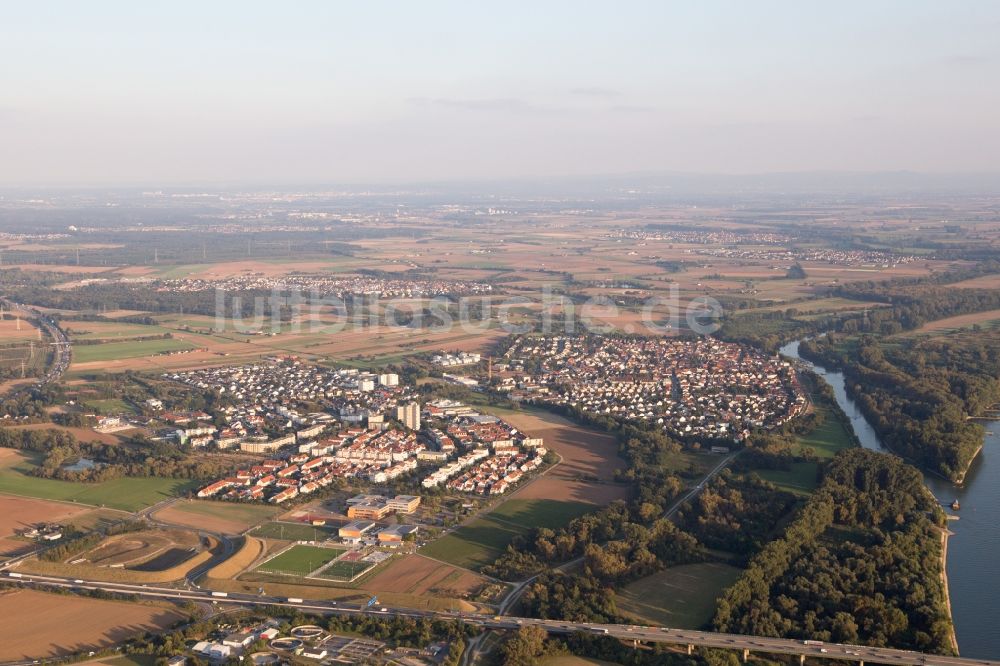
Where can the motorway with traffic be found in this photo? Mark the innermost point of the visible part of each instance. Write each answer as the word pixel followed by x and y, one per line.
pixel 639 634
pixel 61 345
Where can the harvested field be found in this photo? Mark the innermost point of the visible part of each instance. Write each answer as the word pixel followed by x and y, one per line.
pixel 82 434
pixel 38 625
pixel 108 330
pixel 12 331
pixel 981 282
pixel 583 481
pixel 988 319
pixel 225 518
pixel 415 574
pixel 589 460
pixel 17 513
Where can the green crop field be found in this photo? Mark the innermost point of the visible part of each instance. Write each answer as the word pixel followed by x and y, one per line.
pixel 831 436
pixel 118 350
pixel 300 560
pixel 474 545
pixel 801 479
pixel 682 597
pixel 127 494
pixel 294 531
pixel 104 331
pixel 539 512
pixel 109 406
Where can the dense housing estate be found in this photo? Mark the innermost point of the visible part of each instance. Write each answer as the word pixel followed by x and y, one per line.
pixel 262 403
pixel 694 388
pixel 323 286
pixel 465 451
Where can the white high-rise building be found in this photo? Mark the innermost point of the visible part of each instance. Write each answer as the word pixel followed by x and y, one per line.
pixel 409 415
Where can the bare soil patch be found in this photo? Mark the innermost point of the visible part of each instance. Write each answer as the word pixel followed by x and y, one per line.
pixel 589 460
pixel 17 513
pixel 960 321
pixel 39 625
pixel 415 574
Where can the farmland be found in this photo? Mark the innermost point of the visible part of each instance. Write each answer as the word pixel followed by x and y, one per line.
pixel 38 625
pixel 681 596
pixel 413 574
pixel 475 544
pixel 538 512
pixel 589 459
pixel 20 512
pixel 113 351
pixel 226 518
pixel 582 481
pixel 126 493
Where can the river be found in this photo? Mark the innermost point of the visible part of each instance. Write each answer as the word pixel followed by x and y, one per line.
pixel 974 548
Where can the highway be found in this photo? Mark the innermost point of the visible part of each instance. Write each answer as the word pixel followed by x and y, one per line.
pixel 644 634
pixel 60 342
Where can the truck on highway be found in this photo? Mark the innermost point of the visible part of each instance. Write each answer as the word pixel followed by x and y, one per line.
pixel 599 630
pixel 293 600
pixel 812 642
pixel 220 594
pixel 14 574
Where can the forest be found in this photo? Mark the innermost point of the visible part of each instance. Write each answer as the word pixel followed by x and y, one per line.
pixel 861 563
pixel 918 396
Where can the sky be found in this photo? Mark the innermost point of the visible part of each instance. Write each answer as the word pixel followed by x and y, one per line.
pixel 115 93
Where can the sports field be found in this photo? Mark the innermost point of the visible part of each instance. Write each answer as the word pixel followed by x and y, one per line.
pixel 127 494
pixel 299 560
pixel 681 597
pixel 294 531
pixel 346 571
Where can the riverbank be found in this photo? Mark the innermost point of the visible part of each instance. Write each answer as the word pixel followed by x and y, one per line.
pixel 965 472
pixel 945 533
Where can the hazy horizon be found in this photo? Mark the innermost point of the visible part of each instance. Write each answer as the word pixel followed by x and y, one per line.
pixel 110 93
